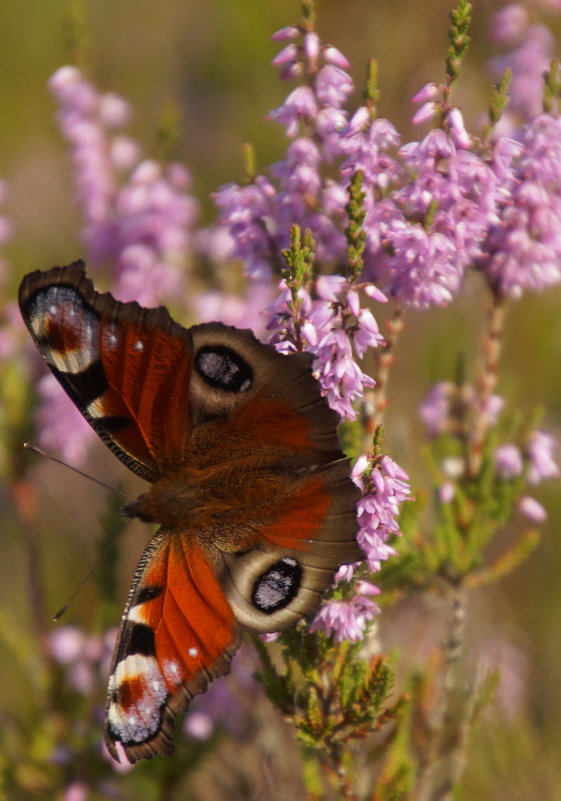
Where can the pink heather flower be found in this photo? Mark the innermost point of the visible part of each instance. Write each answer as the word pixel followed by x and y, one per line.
pixel 300 105
pixel 437 409
pixel 333 86
pixel 287 55
pixel 430 91
pixel 508 24
pixel 288 32
pixel 345 620
pixel 447 492
pixel 428 213
pixel 82 656
pixel 321 329
pixel 271 636
pixel 77 791
pixel 139 223
pixel 508 461
pixel 198 725
pixel 60 426
pixel 385 486
pixel 296 189
pixel 247 212
pixel 532 509
pixel 312 48
pixel 458 130
pixel 530 58
pixel 434 411
pixel 427 112
pixel 345 572
pixel 523 247
pixel 540 451
pixel 331 55
pixel 241 311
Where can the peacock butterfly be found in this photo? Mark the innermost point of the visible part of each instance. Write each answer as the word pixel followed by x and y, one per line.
pixel 248 483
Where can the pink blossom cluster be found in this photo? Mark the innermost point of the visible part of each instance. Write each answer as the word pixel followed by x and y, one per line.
pixel 384 487
pixel 137 213
pixel 260 214
pixel 527 49
pixel 522 250
pixel 336 328
pixel 536 460
pixel 84 657
pixel 444 400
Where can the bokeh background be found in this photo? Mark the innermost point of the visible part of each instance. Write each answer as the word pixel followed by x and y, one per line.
pixel 209 63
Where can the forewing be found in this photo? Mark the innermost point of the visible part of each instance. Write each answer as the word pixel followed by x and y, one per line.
pixel 178 633
pixel 126 368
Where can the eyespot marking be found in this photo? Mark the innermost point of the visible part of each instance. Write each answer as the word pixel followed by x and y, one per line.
pixel 223 368
pixel 277 586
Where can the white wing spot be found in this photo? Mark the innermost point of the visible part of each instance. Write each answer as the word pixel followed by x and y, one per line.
pixel 193 651
pixel 138 345
pixel 52 309
pixel 172 671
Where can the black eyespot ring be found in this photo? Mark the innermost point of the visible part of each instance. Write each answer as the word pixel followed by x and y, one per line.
pixel 223 368
pixel 277 586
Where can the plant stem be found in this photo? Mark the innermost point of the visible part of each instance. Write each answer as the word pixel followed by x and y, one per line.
pixel 487 379
pixel 375 400
pixel 445 759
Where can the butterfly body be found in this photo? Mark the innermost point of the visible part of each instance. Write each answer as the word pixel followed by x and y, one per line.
pixel 247 482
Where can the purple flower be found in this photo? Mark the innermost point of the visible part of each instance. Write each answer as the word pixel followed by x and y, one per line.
pixel 438 409
pixel 533 47
pixel 83 657
pixel 345 620
pixel 540 451
pixel 508 461
pixel 428 208
pixel 508 24
pixel 296 189
pixel 137 214
pixel 532 509
pixel 299 106
pixel 434 411
pixel 385 486
pixel 523 247
pixel 333 328
pixel 77 791
pixel 241 311
pixel 60 426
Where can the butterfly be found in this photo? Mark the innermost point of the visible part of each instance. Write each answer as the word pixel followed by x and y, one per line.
pixel 249 485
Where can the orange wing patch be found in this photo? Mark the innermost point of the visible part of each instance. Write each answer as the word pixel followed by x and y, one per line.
pixel 174 640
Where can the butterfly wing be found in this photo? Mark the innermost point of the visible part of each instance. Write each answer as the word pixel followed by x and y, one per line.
pixel 126 368
pixel 303 536
pixel 178 632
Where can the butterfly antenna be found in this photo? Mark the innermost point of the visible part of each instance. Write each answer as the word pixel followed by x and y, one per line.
pixel 78 589
pixel 39 452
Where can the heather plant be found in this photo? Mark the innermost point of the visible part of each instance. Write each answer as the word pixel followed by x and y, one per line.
pixel 332 250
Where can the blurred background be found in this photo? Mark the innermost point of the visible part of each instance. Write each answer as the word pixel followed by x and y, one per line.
pixel 209 64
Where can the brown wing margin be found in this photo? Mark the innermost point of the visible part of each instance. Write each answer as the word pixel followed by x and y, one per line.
pixel 126 368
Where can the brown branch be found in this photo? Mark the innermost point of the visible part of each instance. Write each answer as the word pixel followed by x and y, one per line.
pixel 375 400
pixel 486 381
